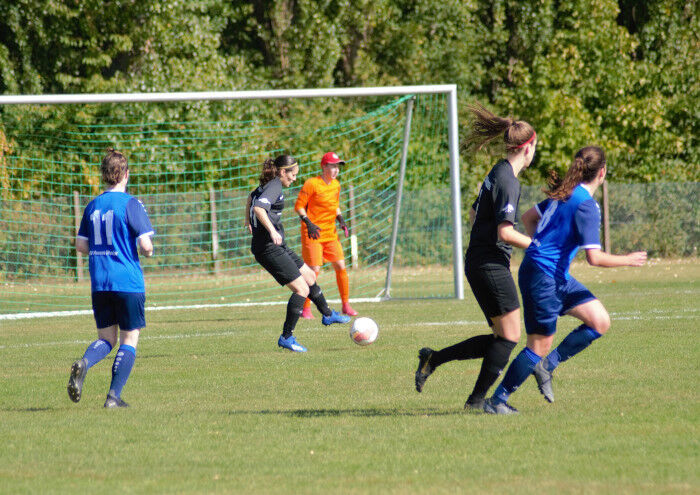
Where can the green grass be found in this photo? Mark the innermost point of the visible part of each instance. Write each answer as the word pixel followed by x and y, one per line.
pixel 217 408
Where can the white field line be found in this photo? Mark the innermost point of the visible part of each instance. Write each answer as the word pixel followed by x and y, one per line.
pixel 616 316
pixel 81 312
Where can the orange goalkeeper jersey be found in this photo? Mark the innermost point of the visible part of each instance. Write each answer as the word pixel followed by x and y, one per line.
pixel 321 202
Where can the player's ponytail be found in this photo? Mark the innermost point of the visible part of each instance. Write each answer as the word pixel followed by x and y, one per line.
pixel 585 167
pixel 269 171
pixel 271 168
pixel 114 167
pixel 486 126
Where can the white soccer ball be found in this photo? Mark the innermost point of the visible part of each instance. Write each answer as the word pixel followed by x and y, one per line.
pixel 364 331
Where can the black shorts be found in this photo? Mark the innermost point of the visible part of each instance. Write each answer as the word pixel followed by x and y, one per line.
pixel 280 261
pixel 493 287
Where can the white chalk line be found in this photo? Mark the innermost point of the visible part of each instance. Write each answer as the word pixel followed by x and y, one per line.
pixel 616 316
pixel 82 312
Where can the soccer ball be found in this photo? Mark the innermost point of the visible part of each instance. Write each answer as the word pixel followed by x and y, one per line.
pixel 364 331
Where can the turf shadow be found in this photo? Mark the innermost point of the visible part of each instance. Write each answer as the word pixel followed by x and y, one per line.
pixel 366 412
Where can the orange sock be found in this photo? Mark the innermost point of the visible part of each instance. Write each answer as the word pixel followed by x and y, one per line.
pixel 341 276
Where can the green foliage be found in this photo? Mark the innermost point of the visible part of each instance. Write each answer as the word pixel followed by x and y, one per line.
pixel 621 74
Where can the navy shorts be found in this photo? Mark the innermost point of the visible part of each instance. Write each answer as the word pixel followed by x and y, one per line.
pixel 280 261
pixel 546 299
pixel 493 288
pixel 127 309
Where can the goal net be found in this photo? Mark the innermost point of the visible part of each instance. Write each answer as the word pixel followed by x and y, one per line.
pixel 193 164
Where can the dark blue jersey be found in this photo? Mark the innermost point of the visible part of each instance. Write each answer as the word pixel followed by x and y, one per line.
pixel 497 202
pixel 112 224
pixel 564 227
pixel 270 198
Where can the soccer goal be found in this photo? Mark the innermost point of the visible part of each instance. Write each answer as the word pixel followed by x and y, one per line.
pixel 193 160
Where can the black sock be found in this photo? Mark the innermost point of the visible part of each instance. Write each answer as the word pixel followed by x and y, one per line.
pixel 474 347
pixel 294 307
pixel 319 300
pixel 496 358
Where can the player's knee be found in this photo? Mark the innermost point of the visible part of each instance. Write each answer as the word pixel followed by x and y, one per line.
pixel 601 323
pixel 303 290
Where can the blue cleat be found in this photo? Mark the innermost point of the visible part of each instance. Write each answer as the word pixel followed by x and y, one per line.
pixel 291 344
pixel 113 402
pixel 492 406
pixel 544 381
pixel 335 317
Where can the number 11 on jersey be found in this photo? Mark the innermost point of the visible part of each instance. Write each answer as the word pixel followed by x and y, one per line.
pixel 97 218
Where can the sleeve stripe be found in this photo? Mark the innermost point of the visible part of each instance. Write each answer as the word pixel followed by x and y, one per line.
pixel 82 237
pixel 591 246
pixel 537 208
pixel 145 233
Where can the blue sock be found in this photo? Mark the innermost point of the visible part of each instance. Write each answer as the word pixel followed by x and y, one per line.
pixel 97 351
pixel 517 373
pixel 123 362
pixel 579 338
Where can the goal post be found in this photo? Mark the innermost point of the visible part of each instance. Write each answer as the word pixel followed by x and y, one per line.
pixel 193 175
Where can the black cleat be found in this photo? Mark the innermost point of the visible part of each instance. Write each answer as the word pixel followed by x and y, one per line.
pixel 544 381
pixel 77 376
pixel 425 369
pixel 113 402
pixel 491 407
pixel 474 404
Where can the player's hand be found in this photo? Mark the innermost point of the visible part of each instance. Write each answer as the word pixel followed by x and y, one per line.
pixel 312 230
pixel 342 225
pixel 276 238
pixel 638 258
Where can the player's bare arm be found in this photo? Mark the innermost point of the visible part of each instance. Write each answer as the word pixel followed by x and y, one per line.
pixel 82 245
pixel 507 233
pixel 246 221
pixel 146 245
pixel 530 220
pixel 597 257
pixel 262 217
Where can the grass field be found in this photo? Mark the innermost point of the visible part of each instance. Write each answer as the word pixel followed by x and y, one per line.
pixel 217 408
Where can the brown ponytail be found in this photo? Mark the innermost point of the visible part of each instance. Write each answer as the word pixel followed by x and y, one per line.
pixel 486 126
pixel 587 163
pixel 271 168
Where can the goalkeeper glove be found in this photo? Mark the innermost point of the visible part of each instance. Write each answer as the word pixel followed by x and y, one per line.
pixel 341 222
pixel 312 230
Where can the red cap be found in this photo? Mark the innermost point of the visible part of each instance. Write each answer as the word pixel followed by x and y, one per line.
pixel 331 157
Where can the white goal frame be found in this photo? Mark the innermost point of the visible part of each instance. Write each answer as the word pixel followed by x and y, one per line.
pixel 453 142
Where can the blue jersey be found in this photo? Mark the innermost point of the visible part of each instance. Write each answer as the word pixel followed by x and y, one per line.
pixel 112 224
pixel 564 227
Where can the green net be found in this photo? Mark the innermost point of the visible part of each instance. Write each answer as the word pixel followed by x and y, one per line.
pixel 193 169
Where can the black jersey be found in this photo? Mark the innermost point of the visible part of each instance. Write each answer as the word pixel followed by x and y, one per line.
pixel 270 198
pixel 497 202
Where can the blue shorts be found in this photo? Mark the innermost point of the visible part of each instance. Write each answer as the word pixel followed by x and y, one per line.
pixel 124 308
pixel 546 299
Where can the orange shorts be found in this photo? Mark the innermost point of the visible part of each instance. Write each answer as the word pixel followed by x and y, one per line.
pixel 316 252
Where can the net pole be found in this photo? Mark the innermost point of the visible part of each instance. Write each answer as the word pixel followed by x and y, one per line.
pixel 399 194
pixel 455 193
